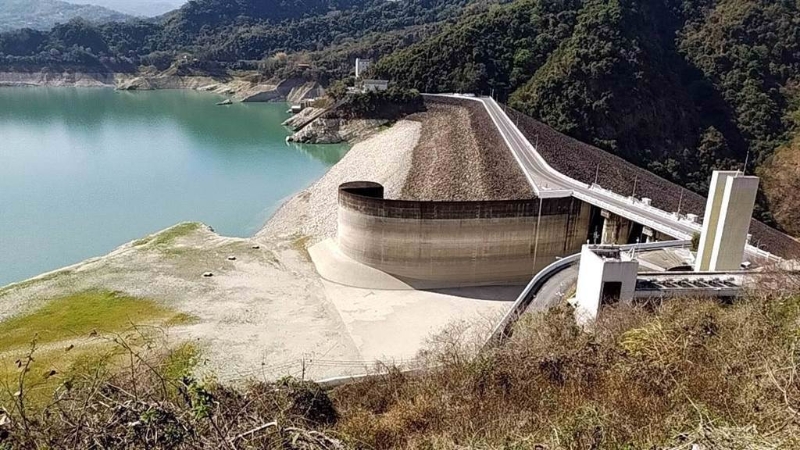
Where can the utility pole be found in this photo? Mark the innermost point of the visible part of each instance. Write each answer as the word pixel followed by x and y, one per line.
pixel 597 173
pixel 680 202
pixel 635 180
pixel 746 160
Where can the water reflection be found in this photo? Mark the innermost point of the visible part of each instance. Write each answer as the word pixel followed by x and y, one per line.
pixel 85 170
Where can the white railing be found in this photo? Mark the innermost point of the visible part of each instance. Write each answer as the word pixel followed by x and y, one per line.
pixel 627 213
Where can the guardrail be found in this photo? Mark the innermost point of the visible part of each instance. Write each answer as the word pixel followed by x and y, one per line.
pixel 631 215
pixel 536 154
pixel 528 295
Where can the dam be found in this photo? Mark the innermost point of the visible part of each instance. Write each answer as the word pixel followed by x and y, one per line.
pixel 433 243
pixel 457 243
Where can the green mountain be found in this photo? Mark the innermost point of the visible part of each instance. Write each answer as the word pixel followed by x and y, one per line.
pixel 677 86
pixel 43 14
pixel 139 8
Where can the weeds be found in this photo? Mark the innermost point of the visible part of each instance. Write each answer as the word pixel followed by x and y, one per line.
pixel 643 378
pixel 151 400
pixel 685 372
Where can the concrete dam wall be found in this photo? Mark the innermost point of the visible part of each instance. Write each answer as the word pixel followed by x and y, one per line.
pixel 457 243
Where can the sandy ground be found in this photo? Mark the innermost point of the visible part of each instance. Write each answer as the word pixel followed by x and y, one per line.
pixel 384 158
pixel 267 313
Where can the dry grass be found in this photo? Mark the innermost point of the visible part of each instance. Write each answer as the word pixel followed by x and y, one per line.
pixel 689 371
pixel 721 375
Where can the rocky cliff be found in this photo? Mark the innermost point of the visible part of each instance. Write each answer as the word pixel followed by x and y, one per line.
pixel 58 79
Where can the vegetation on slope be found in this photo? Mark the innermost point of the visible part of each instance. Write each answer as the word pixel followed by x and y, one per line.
pixel 390 104
pixel 781 178
pixel 679 87
pixel 69 332
pixel 669 375
pixel 230 34
pixel 43 14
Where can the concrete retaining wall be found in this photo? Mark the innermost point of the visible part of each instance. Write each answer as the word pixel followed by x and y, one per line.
pixel 457 243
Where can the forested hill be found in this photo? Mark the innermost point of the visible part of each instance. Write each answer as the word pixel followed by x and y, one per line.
pixel 234 34
pixel 679 85
pixel 43 14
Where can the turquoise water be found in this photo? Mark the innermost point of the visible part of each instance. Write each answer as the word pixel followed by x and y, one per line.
pixel 85 170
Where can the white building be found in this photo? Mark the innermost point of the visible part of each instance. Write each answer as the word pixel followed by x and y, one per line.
pixel 361 67
pixel 606 276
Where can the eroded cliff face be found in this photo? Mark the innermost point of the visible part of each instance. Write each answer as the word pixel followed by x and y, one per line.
pixel 334 130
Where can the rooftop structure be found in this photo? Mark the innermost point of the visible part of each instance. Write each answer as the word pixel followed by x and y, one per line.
pixel 608 275
pixel 361 66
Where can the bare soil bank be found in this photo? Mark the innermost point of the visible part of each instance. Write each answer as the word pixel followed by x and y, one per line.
pixel 246 88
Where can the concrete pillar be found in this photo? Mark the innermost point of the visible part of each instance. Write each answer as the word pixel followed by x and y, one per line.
pixel 729 210
pixel 605 274
pixel 616 229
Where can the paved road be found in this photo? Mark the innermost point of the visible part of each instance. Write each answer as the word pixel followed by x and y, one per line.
pixel 548 183
pixel 554 290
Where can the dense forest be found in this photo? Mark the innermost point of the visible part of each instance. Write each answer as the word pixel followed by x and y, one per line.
pixel 219 35
pixel 43 14
pixel 677 86
pixel 681 86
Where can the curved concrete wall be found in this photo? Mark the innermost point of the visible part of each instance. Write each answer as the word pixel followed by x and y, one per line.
pixel 457 243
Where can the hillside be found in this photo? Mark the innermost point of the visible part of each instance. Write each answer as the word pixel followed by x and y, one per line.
pixel 679 87
pixel 222 35
pixel 140 8
pixel 684 374
pixel 43 14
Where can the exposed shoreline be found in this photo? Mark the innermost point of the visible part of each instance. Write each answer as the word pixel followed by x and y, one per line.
pixel 243 88
pixel 267 312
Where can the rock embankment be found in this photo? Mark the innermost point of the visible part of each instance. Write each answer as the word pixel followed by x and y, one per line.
pixel 335 130
pixel 462 157
pixel 246 90
pixel 384 158
pixel 298 120
pixel 58 79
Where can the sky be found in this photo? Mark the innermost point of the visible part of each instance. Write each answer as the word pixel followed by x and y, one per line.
pixel 147 8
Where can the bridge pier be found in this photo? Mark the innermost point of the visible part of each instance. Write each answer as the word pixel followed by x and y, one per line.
pixel 616 229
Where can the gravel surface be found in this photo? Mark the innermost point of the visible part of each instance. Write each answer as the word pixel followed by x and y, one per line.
pixel 384 158
pixel 462 157
pixel 580 161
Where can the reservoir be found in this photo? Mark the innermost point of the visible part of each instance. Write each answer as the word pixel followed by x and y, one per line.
pixel 83 171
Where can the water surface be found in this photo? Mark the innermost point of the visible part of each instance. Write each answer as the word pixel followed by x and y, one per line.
pixel 85 170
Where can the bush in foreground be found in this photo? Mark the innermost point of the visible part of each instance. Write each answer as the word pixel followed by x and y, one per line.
pixel 723 375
